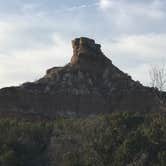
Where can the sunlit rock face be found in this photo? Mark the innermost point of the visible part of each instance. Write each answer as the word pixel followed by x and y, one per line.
pixel 87 55
pixel 88 85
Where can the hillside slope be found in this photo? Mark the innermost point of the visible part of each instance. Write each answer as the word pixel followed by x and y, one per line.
pixel 88 85
pixel 118 139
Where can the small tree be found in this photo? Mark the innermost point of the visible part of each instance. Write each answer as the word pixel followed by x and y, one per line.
pixel 158 77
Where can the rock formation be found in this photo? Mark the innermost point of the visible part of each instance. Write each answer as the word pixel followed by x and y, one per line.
pixel 90 84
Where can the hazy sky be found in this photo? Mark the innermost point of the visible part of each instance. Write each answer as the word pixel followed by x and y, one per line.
pixel 35 35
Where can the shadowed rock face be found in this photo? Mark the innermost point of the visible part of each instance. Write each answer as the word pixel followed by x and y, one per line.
pixel 90 84
pixel 88 56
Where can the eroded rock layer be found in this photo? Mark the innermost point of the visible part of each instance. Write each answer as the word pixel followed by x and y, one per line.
pixel 90 84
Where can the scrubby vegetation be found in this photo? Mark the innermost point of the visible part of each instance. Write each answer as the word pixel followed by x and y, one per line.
pixel 119 139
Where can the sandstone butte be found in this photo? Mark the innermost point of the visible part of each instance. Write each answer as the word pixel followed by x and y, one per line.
pixel 88 85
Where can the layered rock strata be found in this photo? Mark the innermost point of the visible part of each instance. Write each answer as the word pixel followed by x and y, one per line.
pixel 88 85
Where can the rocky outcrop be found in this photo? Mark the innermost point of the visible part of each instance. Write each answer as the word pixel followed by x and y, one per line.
pixel 90 84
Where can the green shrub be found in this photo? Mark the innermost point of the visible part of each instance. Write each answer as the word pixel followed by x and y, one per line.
pixel 117 139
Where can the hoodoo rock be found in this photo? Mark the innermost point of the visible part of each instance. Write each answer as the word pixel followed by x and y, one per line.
pixel 88 85
pixel 88 56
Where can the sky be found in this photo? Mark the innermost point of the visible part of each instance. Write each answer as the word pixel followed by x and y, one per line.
pixel 36 35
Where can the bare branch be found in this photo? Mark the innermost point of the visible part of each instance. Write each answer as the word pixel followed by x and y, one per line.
pixel 158 76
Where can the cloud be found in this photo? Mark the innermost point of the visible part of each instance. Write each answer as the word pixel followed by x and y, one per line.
pixel 22 35
pixel 152 46
pixel 153 9
pixel 104 4
pixel 26 52
pixel 136 53
pixel 31 64
pixel 38 34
